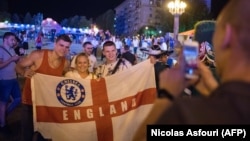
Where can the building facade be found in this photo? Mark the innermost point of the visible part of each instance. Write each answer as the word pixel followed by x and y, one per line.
pixel 132 15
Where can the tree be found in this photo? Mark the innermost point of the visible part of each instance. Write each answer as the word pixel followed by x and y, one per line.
pixel 84 22
pixel 148 31
pixel 195 11
pixel 76 21
pixel 15 18
pixel 73 21
pixel 106 21
pixel 38 18
pixel 166 20
pixel 4 16
pixel 64 22
pixel 27 18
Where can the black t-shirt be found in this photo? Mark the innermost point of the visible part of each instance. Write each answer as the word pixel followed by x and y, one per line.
pixel 159 67
pixel 129 56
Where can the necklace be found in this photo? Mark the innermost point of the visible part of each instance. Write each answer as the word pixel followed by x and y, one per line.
pixel 109 68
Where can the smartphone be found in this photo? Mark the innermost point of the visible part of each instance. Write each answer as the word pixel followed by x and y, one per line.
pixel 190 54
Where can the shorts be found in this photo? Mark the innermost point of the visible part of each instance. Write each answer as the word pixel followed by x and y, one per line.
pixel 9 88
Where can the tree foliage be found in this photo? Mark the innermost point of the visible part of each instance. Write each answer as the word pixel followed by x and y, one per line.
pixel 15 18
pixel 195 11
pixel 76 21
pixel 106 21
pixel 4 16
pixel 28 19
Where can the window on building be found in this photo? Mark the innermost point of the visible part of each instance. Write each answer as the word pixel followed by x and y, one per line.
pixel 157 17
pixel 151 2
pixel 158 3
pixel 137 4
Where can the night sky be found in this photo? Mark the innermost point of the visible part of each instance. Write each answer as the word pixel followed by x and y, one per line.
pixel 60 9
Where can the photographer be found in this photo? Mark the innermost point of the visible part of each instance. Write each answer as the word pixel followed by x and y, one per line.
pixel 226 102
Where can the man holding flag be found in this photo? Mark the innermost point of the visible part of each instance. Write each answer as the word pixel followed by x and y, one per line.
pixel 50 62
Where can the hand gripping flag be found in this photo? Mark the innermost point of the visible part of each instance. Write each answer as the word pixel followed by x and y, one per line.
pixel 111 109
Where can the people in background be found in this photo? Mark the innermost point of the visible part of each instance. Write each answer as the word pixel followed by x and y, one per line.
pixel 87 49
pixel 227 101
pixel 9 86
pixel 128 55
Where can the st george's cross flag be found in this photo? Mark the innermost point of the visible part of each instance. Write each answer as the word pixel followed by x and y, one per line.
pixel 111 109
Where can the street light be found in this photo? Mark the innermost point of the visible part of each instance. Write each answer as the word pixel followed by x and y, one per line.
pixel 146 30
pixel 176 8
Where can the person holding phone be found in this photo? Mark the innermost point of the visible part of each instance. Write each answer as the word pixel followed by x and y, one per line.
pixel 227 101
pixel 9 86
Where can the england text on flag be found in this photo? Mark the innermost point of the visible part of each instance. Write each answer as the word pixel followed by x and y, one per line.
pixel 111 109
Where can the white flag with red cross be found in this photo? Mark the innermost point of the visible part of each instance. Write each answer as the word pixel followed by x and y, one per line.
pixel 111 109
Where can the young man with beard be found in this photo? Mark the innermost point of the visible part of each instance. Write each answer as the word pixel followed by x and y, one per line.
pixel 87 49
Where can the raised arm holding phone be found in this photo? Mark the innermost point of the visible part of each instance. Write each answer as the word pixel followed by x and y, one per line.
pixel 227 101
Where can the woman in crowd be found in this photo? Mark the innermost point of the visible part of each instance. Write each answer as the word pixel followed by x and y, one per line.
pixel 81 69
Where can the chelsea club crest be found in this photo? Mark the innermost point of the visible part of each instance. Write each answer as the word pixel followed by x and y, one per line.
pixel 70 92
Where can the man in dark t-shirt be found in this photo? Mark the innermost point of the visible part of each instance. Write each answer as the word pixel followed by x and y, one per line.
pixel 128 55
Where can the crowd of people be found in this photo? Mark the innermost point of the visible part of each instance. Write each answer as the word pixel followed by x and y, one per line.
pixel 223 99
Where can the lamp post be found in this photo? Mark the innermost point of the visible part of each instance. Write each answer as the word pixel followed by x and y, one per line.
pixel 146 31
pixel 176 8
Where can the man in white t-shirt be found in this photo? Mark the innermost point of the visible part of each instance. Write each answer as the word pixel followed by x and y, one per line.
pixel 112 64
pixel 118 44
pixel 87 48
pixel 136 42
pixel 95 44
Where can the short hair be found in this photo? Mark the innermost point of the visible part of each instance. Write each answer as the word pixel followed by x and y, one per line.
pixel 64 37
pixel 108 43
pixel 80 55
pixel 126 47
pixel 7 34
pixel 236 13
pixel 86 43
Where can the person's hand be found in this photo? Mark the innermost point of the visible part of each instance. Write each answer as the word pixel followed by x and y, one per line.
pixel 28 73
pixel 152 59
pixel 173 80
pixel 206 83
pixel 15 58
